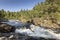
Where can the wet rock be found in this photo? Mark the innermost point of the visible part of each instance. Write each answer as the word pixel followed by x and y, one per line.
pixel 27 24
pixel 14 36
pixel 5 28
pixel 31 38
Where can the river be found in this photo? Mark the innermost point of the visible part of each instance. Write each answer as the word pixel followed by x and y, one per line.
pixel 34 31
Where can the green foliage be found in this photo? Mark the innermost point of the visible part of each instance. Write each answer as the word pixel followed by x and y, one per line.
pixel 2 14
pixel 49 8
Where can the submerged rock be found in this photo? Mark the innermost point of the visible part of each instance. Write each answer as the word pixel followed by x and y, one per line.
pixel 5 28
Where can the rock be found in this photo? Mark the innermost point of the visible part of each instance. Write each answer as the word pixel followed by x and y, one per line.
pixel 5 28
pixel 14 36
pixel 31 38
pixel 27 24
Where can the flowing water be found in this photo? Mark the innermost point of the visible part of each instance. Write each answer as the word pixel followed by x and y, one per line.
pixel 34 31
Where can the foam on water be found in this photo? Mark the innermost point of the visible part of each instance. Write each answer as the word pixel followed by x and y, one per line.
pixel 35 31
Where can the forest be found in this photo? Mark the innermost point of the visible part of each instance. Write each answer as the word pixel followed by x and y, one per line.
pixel 46 13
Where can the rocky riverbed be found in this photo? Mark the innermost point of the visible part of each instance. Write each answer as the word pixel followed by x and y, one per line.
pixel 14 36
pixel 23 33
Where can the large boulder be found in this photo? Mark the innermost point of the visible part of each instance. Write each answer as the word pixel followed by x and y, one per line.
pixel 5 28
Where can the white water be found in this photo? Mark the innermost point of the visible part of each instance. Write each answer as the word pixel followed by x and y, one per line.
pixel 35 31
